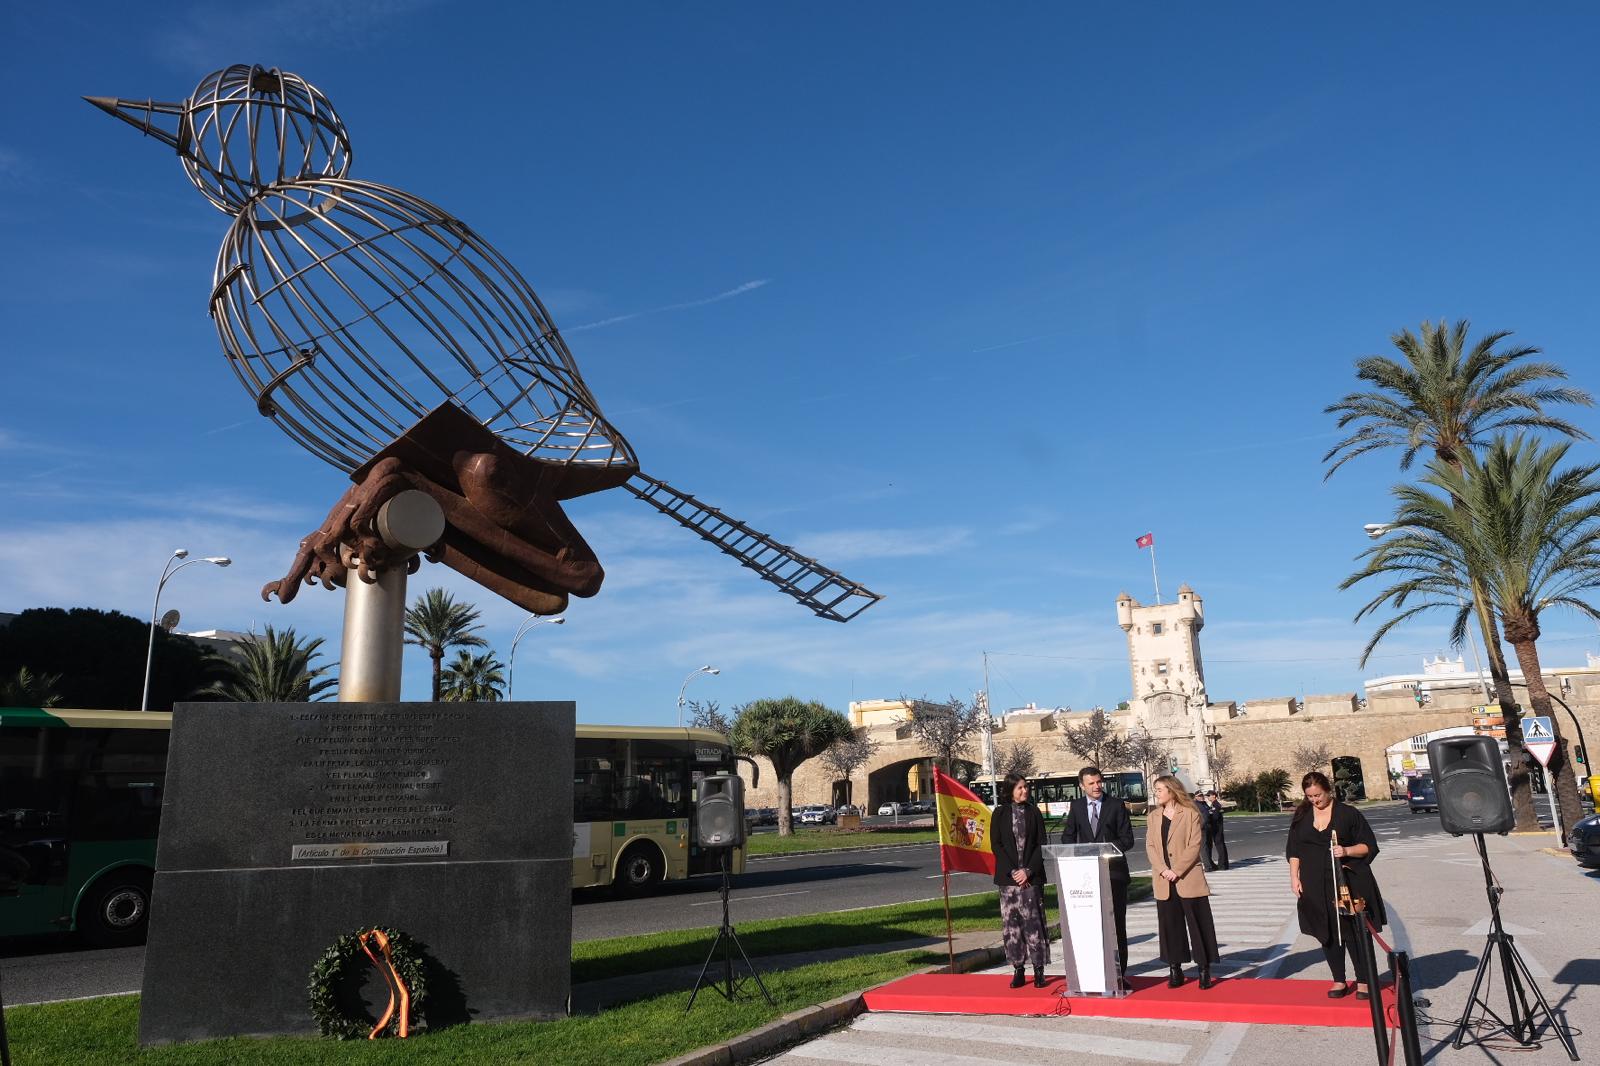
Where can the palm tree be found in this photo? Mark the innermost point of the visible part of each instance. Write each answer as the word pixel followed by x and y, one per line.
pixel 1450 400
pixel 1532 532
pixel 474 679
pixel 437 622
pixel 788 732
pixel 274 667
pixel 28 689
pixel 1535 537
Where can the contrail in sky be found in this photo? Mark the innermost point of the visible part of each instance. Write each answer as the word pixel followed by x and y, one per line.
pixel 737 290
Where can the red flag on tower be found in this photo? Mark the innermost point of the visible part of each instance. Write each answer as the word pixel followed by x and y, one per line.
pixel 1146 541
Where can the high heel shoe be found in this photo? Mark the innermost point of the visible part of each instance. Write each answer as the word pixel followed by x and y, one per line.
pixel 1018 978
pixel 1038 977
pixel 1205 978
pixel 1175 978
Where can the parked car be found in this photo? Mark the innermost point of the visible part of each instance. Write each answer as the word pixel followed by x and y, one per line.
pixel 817 816
pixel 885 810
pixel 916 807
pixel 769 816
pixel 1420 795
pixel 847 808
pixel 1586 841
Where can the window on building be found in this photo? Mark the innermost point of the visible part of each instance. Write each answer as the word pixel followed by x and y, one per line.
pixel 1155 629
pixel 1161 669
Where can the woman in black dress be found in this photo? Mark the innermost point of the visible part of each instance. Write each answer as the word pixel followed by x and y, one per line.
pixel 1018 830
pixel 1311 854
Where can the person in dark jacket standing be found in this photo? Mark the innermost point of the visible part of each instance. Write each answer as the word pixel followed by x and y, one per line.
pixel 1018 830
pixel 1216 852
pixel 1312 853
pixel 1096 818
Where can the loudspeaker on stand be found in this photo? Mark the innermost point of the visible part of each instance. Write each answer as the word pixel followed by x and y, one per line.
pixel 1470 782
pixel 719 812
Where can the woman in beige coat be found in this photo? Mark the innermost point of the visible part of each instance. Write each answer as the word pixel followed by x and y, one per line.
pixel 1183 905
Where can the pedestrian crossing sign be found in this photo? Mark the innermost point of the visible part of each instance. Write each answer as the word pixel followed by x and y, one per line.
pixel 1539 737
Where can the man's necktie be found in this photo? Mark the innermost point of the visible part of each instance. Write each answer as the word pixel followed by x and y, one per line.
pixel 1094 819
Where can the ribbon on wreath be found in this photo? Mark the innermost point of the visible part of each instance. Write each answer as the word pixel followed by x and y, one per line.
pixel 399 994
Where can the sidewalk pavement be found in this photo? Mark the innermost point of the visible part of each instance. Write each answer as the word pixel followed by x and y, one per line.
pixel 1438 913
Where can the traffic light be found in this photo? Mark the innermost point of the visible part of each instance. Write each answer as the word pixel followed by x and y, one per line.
pixel 1577 753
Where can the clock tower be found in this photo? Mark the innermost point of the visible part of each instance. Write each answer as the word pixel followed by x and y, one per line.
pixel 1169 689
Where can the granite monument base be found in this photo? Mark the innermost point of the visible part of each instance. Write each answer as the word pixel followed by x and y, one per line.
pixel 286 826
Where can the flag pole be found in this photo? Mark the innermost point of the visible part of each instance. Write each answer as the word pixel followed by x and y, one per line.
pixel 949 929
pixel 1153 576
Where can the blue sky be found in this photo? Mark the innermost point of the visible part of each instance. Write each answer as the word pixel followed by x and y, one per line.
pixel 959 301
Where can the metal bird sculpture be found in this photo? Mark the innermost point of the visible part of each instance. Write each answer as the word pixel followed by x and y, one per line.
pixel 388 338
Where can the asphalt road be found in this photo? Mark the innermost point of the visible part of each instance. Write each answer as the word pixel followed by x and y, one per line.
pixel 777 887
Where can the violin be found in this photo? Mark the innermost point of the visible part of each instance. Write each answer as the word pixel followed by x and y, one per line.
pixel 1344 903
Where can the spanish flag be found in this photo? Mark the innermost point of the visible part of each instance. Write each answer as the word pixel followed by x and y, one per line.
pixel 963 827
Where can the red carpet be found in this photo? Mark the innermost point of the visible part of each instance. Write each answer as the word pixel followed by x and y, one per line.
pixel 1242 999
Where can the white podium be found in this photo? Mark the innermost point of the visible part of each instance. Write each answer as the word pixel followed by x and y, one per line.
pixel 1082 876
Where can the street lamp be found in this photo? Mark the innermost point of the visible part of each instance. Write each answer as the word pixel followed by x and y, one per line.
pixel 712 670
pixel 1378 529
pixel 528 623
pixel 166 574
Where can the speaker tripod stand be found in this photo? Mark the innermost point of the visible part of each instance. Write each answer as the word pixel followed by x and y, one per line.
pixel 728 987
pixel 1522 1021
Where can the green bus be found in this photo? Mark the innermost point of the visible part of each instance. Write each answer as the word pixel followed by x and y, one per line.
pixel 80 808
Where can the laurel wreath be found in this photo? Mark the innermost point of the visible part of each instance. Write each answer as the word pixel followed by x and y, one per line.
pixel 335 979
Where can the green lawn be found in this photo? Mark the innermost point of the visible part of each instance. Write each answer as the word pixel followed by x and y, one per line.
pixel 593 960
pixel 102 1032
pixel 829 839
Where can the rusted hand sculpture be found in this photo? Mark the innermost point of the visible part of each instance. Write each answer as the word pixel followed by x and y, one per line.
pixel 504 525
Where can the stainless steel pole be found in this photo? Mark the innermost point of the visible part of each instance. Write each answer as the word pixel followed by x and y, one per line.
pixel 374 638
pixel 370 655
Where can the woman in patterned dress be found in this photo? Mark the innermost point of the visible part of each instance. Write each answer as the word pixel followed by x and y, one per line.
pixel 1018 830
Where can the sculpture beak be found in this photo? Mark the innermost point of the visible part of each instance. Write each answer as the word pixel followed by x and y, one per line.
pixel 149 117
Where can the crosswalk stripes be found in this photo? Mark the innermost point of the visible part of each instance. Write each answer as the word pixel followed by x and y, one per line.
pixel 942 1040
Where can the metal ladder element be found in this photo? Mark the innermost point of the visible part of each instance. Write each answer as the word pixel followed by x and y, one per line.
pixel 828 593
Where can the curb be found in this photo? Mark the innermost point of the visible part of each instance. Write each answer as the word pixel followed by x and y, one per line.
pixel 808 1021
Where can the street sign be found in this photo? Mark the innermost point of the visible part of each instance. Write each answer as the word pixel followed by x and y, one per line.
pixel 1539 737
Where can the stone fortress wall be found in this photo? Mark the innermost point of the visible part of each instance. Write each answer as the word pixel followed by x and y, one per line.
pixel 1170 701
pixel 1258 735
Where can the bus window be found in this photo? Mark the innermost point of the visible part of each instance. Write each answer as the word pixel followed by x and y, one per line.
pixel 594 777
pixel 35 792
pixel 657 789
pixel 117 806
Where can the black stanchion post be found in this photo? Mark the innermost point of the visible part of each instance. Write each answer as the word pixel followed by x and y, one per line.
pixel 1405 1004
pixel 1369 965
pixel 5 1044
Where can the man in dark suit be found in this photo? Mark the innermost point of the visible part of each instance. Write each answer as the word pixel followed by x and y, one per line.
pixel 1216 849
pixel 1096 818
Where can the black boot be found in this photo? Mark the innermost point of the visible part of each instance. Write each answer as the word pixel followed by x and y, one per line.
pixel 1205 977
pixel 1038 977
pixel 1175 978
pixel 1019 978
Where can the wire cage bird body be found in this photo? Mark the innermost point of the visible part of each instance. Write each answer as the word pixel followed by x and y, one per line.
pixel 349 321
